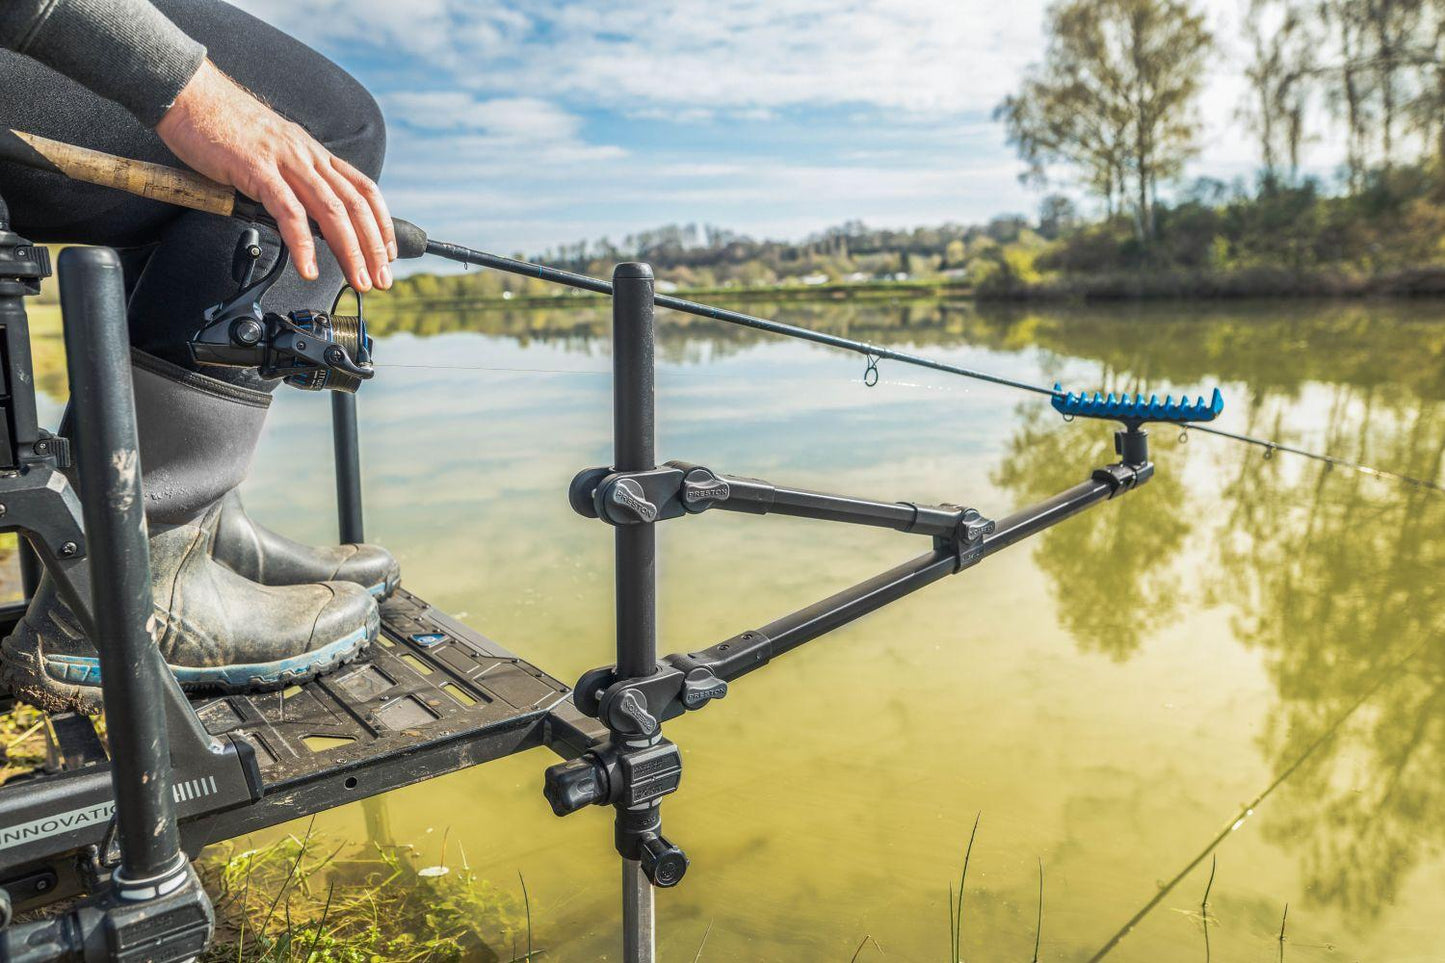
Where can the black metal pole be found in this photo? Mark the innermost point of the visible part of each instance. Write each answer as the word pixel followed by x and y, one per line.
pixel 633 341
pixel 793 630
pixel 633 433
pixel 752 650
pixel 346 445
pixel 97 347
pixel 755 497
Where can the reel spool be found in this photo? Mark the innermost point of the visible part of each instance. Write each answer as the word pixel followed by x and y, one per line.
pixel 346 332
pixel 310 350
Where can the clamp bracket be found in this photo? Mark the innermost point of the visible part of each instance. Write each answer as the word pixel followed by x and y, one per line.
pixel 638 707
pixel 628 497
pixel 967 539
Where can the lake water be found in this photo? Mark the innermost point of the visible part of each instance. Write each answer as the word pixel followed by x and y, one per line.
pixel 1239 666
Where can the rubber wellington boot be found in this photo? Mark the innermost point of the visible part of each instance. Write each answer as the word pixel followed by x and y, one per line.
pixel 216 629
pixel 263 556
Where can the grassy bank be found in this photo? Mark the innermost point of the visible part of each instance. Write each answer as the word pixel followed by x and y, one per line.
pixel 1249 282
pixel 406 301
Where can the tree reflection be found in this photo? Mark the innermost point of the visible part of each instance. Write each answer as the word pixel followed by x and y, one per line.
pixel 1338 579
pixel 1111 568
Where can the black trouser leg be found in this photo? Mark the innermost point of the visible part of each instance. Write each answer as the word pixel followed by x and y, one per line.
pixel 178 262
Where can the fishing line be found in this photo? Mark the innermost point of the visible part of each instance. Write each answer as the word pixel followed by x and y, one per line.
pixel 873 353
pixel 484 367
pixel 1334 461
pixel 1248 810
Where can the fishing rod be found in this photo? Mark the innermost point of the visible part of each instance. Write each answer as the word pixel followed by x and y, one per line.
pixel 191 190
pixel 873 352
pixel 1333 461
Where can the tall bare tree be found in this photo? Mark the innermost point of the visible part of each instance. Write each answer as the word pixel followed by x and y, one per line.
pixel 1282 43
pixel 1349 83
pixel 1054 120
pixel 1115 97
pixel 1394 27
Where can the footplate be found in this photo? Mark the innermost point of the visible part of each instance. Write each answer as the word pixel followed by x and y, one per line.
pixel 434 697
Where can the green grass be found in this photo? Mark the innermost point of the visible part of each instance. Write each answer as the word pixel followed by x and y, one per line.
pixel 302 899
pixel 22 741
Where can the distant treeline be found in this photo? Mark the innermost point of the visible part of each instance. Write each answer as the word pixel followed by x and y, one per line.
pixel 702 257
pixel 1215 240
pixel 1110 112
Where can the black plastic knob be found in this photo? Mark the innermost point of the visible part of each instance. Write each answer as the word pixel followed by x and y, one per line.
pixel 573 785
pixel 662 862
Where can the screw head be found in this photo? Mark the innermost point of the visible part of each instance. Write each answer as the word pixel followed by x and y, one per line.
pixel 22 252
pixel 247 332
pixel 3 510
pixel 68 549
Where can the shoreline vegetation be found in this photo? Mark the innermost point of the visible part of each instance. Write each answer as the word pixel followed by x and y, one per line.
pixel 1165 284
pixel 1108 119
pixel 1215 242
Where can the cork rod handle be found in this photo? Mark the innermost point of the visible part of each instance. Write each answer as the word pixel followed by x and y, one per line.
pixel 155 181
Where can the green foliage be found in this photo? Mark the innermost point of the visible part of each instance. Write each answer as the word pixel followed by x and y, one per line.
pixel 1394 226
pixel 22 741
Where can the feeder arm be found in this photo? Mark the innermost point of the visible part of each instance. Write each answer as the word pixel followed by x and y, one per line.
pixel 962 538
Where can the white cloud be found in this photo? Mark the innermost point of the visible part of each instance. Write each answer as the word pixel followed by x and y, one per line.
pixel 487 103
pixel 919 55
pixel 527 119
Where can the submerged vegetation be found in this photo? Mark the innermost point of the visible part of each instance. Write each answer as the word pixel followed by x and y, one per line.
pixel 301 899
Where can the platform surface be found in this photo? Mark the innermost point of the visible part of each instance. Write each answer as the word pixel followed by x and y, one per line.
pixel 429 679
pixel 433 697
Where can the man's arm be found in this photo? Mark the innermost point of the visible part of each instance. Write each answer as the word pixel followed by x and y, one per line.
pixel 124 50
pixel 129 52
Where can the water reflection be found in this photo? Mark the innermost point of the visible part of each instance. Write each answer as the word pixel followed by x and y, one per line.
pixel 1111 572
pixel 1337 578
pixel 1329 580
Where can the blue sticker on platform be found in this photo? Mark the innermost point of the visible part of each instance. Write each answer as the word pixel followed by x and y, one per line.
pixel 428 639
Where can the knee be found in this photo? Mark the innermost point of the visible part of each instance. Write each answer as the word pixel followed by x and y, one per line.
pixel 357 131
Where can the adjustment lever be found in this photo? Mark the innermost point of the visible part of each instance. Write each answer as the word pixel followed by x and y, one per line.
pixel 246 256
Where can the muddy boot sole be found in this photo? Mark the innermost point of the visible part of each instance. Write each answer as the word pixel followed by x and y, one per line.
pixel 71 683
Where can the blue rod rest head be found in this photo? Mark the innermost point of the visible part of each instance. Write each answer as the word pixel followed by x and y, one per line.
pixel 1137 409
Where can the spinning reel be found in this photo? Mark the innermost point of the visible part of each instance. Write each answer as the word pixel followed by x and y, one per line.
pixel 311 350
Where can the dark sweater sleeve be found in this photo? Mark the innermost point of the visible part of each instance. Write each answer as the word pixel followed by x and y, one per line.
pixel 125 50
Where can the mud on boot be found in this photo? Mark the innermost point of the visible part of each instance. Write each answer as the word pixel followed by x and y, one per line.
pixel 216 630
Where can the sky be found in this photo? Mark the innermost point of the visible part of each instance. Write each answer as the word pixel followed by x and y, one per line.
pixel 515 125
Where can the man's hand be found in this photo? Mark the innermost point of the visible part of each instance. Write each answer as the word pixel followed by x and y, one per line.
pixel 223 132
